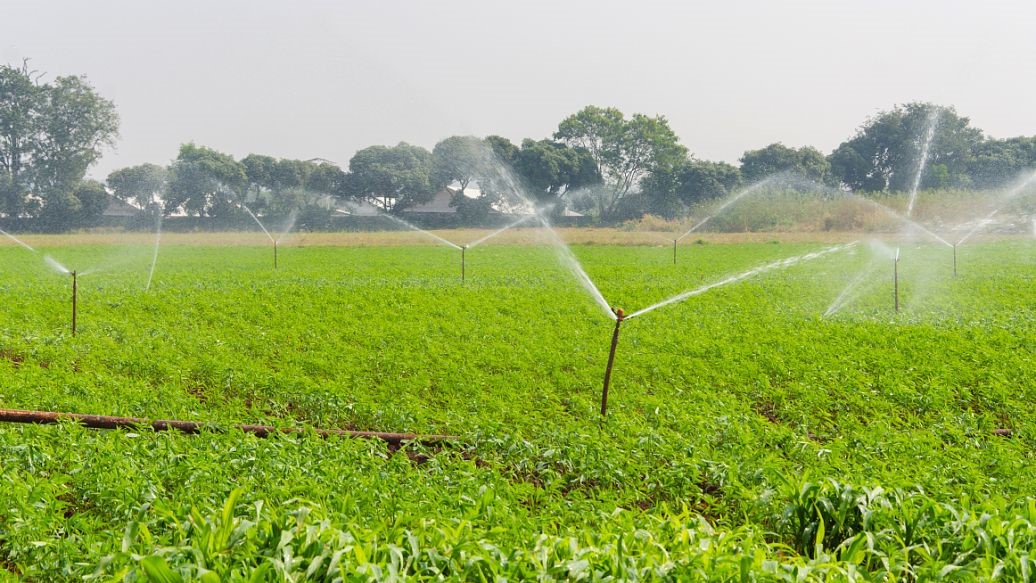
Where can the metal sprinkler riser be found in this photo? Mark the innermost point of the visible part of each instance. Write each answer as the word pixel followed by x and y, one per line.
pixel 895 280
pixel 619 317
pixel 75 301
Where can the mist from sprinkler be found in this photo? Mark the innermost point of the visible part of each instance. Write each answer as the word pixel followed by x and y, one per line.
pixel 23 244
pixel 879 252
pixel 926 145
pixel 446 242
pixel 154 252
pixel 985 221
pixel 895 279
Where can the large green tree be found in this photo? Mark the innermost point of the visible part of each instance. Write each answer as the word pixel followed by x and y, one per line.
pixel 671 189
pixel 807 162
pixel 623 150
pixel 550 169
pixel 142 185
pixel 460 159
pixel 50 134
pixel 205 182
pixel 81 205
pixel 280 186
pixel 392 178
pixel 995 162
pixel 885 153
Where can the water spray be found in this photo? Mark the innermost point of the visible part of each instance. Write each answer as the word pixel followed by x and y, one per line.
pixel 619 317
pixel 75 300
pixel 926 144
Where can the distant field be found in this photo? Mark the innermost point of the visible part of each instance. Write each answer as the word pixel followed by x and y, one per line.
pixel 517 236
pixel 748 436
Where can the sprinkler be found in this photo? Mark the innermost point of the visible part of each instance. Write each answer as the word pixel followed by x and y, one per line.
pixel 275 254
pixel 619 317
pixel 674 251
pixel 954 261
pixel 895 279
pixel 462 250
pixel 75 298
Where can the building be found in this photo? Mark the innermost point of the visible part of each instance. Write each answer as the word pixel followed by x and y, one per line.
pixel 120 209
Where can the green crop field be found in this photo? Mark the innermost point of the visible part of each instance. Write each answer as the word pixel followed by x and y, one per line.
pixel 748 436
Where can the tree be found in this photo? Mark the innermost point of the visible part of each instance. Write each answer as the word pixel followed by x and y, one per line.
pixel 775 158
pixel 995 162
pixel 259 171
pixel 205 182
pixel 504 150
pixel 550 169
pixel 50 134
pixel 80 206
pixel 885 153
pixel 324 178
pixel 21 105
pixel 77 124
pixel 392 178
pixel 460 159
pixel 141 185
pixel 623 150
pixel 670 190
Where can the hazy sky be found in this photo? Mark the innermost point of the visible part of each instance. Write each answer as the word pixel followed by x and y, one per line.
pixel 323 79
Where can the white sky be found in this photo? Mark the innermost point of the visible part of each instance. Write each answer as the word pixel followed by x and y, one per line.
pixel 323 79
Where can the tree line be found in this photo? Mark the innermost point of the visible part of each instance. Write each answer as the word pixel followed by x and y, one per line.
pixel 599 161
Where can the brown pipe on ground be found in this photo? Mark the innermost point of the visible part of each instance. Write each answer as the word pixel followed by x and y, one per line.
pixel 619 316
pixel 191 427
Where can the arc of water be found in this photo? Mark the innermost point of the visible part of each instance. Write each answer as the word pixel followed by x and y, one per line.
pixel 513 224
pixel 909 222
pixel 56 265
pixel 847 294
pixel 568 259
pixel 257 221
pixel 744 192
pixel 53 263
pixel 783 263
pixel 933 123
pixel 419 230
pixel 982 223
pixel 17 240
pixel 289 224
pixel 154 254
pixel 1018 189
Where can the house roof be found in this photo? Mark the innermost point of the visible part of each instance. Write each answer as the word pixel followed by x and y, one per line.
pixel 358 209
pixel 120 208
pixel 440 203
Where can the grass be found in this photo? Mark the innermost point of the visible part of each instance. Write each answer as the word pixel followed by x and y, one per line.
pixel 747 436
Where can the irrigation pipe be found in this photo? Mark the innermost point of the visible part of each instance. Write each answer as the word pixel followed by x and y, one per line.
pixel 192 427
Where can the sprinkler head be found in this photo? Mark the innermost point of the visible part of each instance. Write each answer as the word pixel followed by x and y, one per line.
pixel 619 313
